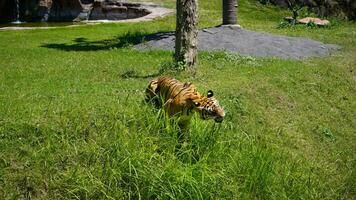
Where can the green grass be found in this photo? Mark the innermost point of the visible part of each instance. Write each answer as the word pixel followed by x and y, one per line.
pixel 71 126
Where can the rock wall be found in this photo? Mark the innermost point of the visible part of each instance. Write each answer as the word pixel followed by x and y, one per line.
pixel 35 10
pixel 7 11
pixel 114 10
pixel 64 10
pixel 70 10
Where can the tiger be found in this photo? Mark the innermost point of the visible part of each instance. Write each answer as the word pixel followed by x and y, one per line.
pixel 181 100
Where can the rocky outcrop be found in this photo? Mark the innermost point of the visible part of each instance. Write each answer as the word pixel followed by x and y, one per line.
pixel 71 10
pixel 44 8
pixel 114 10
pixel 7 11
pixel 2 4
pixel 64 10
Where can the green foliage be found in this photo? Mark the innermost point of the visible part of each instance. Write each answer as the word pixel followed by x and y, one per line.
pixel 264 2
pixel 311 25
pixel 285 24
pixel 343 9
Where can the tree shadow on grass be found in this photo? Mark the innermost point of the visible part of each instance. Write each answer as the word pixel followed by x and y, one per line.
pixel 168 67
pixel 129 39
pixel 133 74
pixel 122 41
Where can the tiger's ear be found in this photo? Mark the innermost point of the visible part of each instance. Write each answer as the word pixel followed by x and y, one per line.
pixel 210 93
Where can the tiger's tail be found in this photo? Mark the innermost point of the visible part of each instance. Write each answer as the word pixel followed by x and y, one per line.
pixel 151 92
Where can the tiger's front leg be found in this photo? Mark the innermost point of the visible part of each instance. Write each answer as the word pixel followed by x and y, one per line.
pixel 168 107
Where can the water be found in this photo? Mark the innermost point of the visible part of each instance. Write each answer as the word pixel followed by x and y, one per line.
pixel 39 24
pixel 17 22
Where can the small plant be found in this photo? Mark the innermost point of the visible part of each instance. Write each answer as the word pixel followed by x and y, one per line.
pixel 311 25
pixel 328 133
pixel 295 6
pixel 334 22
pixel 180 66
pixel 284 24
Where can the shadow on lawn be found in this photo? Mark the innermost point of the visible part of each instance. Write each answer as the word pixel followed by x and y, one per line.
pixel 169 67
pixel 133 74
pixel 129 39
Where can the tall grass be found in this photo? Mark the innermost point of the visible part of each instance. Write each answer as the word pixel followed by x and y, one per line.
pixel 74 125
pixel 131 153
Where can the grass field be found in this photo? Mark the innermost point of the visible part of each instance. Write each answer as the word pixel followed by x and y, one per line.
pixel 73 126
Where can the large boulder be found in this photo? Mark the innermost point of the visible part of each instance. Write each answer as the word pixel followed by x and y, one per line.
pixel 116 10
pixel 44 8
pixel 71 10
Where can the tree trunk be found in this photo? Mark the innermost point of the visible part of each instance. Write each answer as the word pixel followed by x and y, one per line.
pixel 186 33
pixel 229 12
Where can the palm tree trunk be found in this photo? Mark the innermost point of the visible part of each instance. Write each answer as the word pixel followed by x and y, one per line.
pixel 229 12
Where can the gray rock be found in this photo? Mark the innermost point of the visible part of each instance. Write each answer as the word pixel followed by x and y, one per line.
pixel 245 42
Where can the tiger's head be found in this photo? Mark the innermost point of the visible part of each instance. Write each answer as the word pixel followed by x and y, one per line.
pixel 208 107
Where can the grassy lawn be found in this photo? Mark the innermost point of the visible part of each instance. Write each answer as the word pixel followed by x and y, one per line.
pixel 72 126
